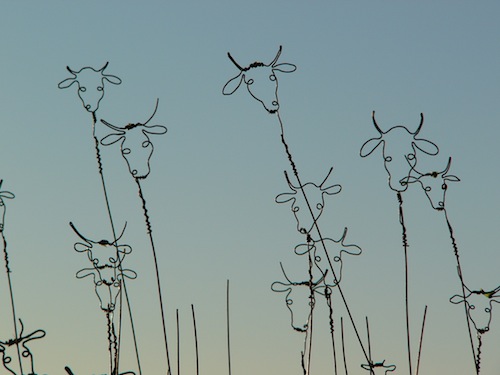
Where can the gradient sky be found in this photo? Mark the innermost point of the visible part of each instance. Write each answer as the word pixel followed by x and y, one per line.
pixel 216 172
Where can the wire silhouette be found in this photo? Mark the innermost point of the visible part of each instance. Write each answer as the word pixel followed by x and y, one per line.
pixel 108 275
pixel 20 341
pixel 479 309
pixel 399 153
pixel 371 366
pixel 92 82
pixel 137 149
pixel 435 186
pixel 262 84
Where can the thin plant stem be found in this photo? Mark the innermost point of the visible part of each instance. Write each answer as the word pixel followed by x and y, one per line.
pixel 178 344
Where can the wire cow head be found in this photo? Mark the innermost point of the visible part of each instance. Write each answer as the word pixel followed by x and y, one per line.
pixel 379 368
pixel 399 151
pixel 301 292
pixel 8 350
pixel 90 85
pixel 107 272
pixel 307 212
pixel 321 266
pixel 479 305
pixel 136 147
pixel 261 81
pixel 434 184
pixel 7 195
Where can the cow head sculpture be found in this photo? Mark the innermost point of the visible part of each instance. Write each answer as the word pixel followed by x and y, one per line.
pixel 479 305
pixel 107 272
pixel 308 201
pixel 261 81
pixel 378 368
pixel 90 83
pixel 435 185
pixel 399 151
pixel 136 147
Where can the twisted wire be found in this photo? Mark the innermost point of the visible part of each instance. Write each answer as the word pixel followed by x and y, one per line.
pixel 316 226
pixel 11 295
pixel 462 283
pixel 405 247
pixel 478 358
pixel 328 296
pixel 110 216
pixel 157 272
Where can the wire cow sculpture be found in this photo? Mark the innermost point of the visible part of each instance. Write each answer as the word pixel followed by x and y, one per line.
pixel 307 205
pixel 136 148
pixel 17 358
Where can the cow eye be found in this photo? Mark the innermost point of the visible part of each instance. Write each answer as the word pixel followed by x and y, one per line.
pixel 472 307
pixel 126 151
pixel 411 156
pixel 444 186
pixel 250 81
pixel 487 309
pixel 319 206
pixel 272 77
pixel 427 188
pixel 82 89
pixel 146 144
pixel 289 302
pixel 100 88
pixel 295 208
pixel 388 159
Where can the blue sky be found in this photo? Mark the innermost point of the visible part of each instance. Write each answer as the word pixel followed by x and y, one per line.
pixel 216 172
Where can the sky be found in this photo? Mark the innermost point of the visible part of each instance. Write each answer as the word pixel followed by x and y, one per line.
pixel 216 172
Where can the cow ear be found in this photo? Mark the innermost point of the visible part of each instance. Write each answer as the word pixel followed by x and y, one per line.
pixel 155 129
pixel 112 138
pixel 7 194
pixel 232 85
pixel 451 178
pixel 366 367
pixel 129 274
pixel 112 79
pixel 391 368
pixel 66 83
pixel 332 190
pixel 426 146
pixel 278 286
pixel 285 197
pixel 86 272
pixel 456 299
pixel 303 248
pixel 369 146
pixel 285 68
pixel 124 249
pixel 82 247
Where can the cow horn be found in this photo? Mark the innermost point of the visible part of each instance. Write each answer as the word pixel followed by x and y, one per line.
pixel 154 112
pixel 447 167
pixel 421 123
pixel 78 233
pixel 326 178
pixel 117 128
pixel 290 183
pixel 277 57
pixel 234 62
pixel 375 123
pixel 104 67
pixel 70 70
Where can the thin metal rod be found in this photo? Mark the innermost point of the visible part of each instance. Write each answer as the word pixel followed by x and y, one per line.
pixel 368 336
pixel 157 272
pixel 227 328
pixel 13 306
pixel 405 248
pixel 178 344
pixel 421 340
pixel 295 171
pixel 460 276
pixel 343 344
pixel 196 342
pixel 110 215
